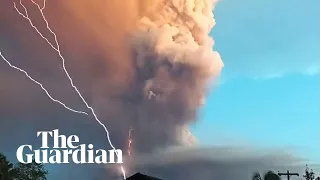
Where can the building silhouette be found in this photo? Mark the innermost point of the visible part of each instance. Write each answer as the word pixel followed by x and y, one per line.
pixel 139 176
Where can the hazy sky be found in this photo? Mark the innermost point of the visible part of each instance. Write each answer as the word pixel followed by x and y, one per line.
pixel 269 91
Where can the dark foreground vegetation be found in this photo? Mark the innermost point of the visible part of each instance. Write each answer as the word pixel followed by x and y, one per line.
pixel 20 171
pixel 308 175
pixel 270 175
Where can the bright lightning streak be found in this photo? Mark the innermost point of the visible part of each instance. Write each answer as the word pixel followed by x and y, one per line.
pixel 26 16
pixel 57 48
pixel 44 89
pixel 123 172
pixel 60 55
pixel 129 142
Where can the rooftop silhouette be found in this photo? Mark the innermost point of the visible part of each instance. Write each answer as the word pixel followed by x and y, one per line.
pixel 139 176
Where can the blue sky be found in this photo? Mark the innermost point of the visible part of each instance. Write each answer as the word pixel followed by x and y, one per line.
pixel 269 89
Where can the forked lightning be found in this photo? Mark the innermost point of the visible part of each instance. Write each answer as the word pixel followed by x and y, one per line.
pixel 57 49
pixel 37 82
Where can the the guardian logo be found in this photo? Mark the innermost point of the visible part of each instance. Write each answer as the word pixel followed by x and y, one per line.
pixel 64 150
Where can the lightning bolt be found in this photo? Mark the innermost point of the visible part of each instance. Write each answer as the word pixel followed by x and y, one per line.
pixel 37 82
pixel 57 49
pixel 129 146
pixel 129 142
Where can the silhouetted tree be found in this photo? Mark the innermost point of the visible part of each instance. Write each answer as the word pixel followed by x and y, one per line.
pixel 256 176
pixel 6 168
pixel 268 176
pixel 271 176
pixel 31 171
pixel 309 174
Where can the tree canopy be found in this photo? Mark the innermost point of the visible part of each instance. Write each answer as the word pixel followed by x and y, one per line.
pixel 5 168
pixel 308 175
pixel 20 171
pixel 267 176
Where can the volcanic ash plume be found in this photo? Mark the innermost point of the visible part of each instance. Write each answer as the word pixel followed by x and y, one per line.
pixel 160 61
pixel 174 62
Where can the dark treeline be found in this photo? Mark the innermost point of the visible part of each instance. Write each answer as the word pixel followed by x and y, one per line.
pixel 308 175
pixel 20 171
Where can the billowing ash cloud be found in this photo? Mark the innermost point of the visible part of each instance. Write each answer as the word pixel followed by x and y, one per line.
pixel 172 63
pixel 158 61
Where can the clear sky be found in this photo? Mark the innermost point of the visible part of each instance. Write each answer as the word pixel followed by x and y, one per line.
pixel 269 89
